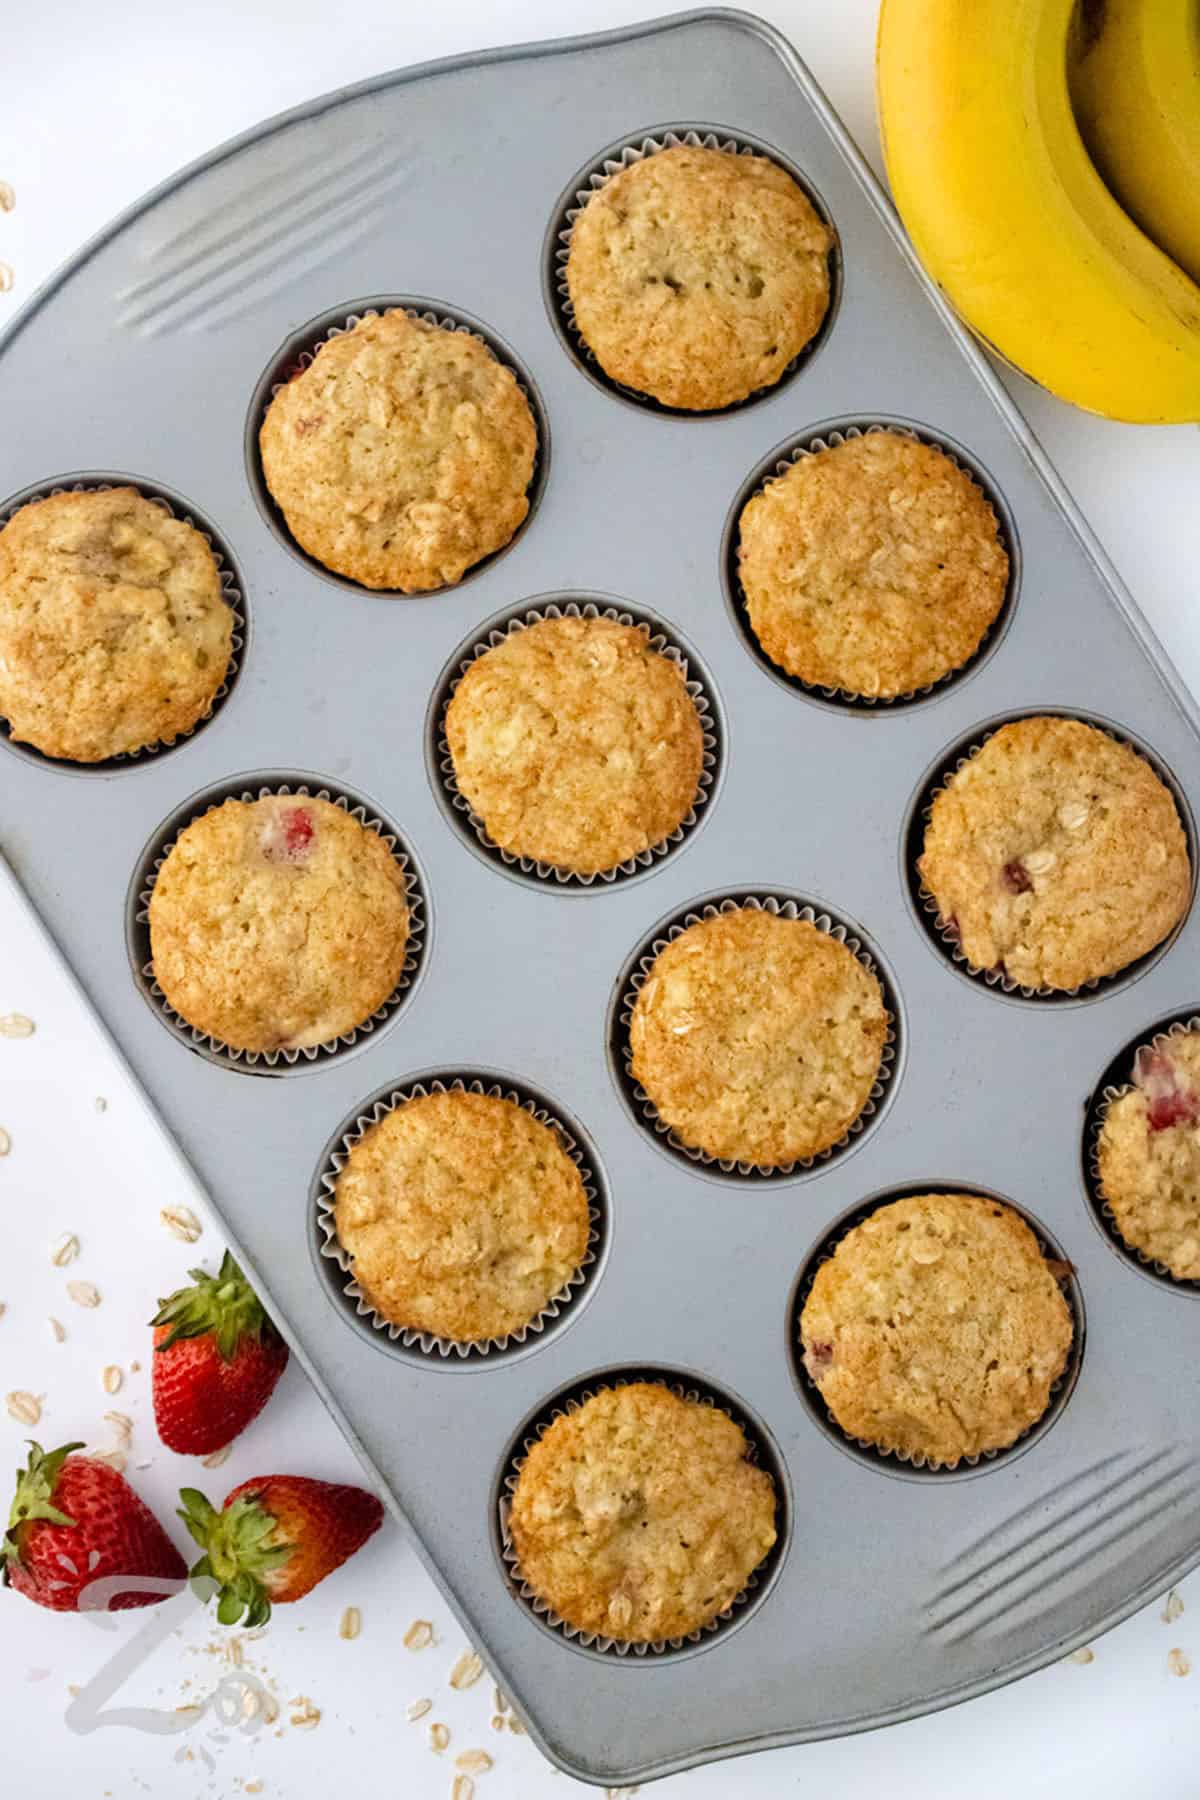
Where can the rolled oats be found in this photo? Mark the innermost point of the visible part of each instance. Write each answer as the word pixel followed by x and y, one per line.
pixel 351 1623
pixel 419 1635
pixel 25 1408
pixel 1179 1662
pixel 1172 1607
pixel 112 1379
pixel 65 1250
pixel 417 1709
pixel 473 1762
pixel 16 1025
pixel 439 1737
pixel 84 1293
pixel 182 1223
pixel 466 1671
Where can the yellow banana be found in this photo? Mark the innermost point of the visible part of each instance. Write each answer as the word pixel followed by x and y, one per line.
pixel 1135 84
pixel 1010 217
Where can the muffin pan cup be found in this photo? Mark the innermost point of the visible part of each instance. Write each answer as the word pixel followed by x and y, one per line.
pixel 437 187
pixel 271 1062
pixel 562 1305
pixel 176 507
pixel 586 606
pixel 761 1579
pixel 784 457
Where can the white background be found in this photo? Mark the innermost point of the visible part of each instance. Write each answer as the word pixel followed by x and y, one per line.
pixel 96 104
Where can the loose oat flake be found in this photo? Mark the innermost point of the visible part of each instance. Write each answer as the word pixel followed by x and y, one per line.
pixel 624 1793
pixel 1172 1607
pixel 84 1293
pixel 14 1025
pixel 8 198
pixel 473 1762
pixel 182 1223
pixel 5 1142
pixel 216 1457
pixel 101 1103
pixel 122 1425
pixel 25 1408
pixel 65 1251
pixel 419 1635
pixel 112 1379
pixel 57 1331
pixel 439 1737
pixel 515 1725
pixel 466 1671
pixel 114 1458
pixel 1179 1662
pixel 269 1708
pixel 463 1789
pixel 417 1709
pixel 497 1721
pixel 351 1623
pixel 499 1700
pixel 1081 1656
pixel 307 1716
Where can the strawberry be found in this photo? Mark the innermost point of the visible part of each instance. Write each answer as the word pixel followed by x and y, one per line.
pixel 217 1358
pixel 74 1521
pixel 275 1538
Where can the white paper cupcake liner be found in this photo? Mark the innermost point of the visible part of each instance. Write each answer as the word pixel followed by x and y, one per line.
pixel 943 933
pixel 737 1609
pixel 781 907
pixel 658 639
pixel 281 1061
pixel 286 365
pixel 597 175
pixel 1097 1114
pixel 1060 1388
pixel 560 1305
pixel 231 593
pixel 779 464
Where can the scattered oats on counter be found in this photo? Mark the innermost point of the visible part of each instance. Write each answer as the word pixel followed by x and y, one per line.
pixel 114 1458
pixel 1179 1662
pixel 350 1623
pixel 182 1223
pixel 473 1762
pixel 8 198
pixel 515 1726
pixel 253 1787
pixel 417 1709
pixel 1172 1607
pixel 622 1793
pixel 65 1251
pixel 1081 1656
pixel 439 1737
pixel 499 1700
pixel 463 1789
pixel 3 1309
pixel 122 1426
pixel 419 1635
pixel 307 1716
pixel 25 1408
pixel 57 1331
pixel 101 1103
pixel 84 1293
pixel 5 1141
pixel 112 1379
pixel 216 1457
pixel 466 1671
pixel 268 1706
pixel 497 1721
pixel 233 1652
pixel 16 1025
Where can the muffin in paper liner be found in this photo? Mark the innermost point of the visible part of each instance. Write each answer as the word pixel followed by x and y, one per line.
pixel 561 1306
pixel 298 354
pixel 634 977
pixel 898 1462
pixel 783 458
pixel 231 590
pixel 275 1062
pixel 743 1603
pixel 941 932
pixel 504 626
pixel 1114 1084
pixel 597 174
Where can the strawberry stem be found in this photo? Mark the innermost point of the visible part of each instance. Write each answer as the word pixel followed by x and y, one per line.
pixel 239 1554
pixel 223 1305
pixel 34 1497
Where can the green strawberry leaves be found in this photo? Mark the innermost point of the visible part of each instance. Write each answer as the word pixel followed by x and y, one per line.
pixel 34 1497
pixel 223 1306
pixel 239 1554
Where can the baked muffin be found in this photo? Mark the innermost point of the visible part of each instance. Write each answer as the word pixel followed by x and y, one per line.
pixel 114 631
pixel 461 1214
pixel 1149 1155
pixel 874 566
pixel 576 743
pixel 401 455
pixel 639 1516
pixel 758 1038
pixel 696 276
pixel 1056 855
pixel 937 1328
pixel 278 924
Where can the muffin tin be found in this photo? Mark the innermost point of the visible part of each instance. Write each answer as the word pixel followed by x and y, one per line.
pixel 886 1597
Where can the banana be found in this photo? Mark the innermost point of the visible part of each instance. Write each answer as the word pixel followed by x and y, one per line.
pixel 1010 217
pixel 1134 73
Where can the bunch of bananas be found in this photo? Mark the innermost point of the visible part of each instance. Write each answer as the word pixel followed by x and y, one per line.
pixel 1045 158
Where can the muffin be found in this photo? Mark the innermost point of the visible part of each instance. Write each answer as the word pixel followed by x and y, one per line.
pixel 696 276
pixel 1056 855
pixel 114 631
pixel 874 566
pixel 461 1215
pixel 937 1328
pixel 401 455
pixel 576 743
pixel 639 1516
pixel 1149 1155
pixel 758 1038
pixel 278 923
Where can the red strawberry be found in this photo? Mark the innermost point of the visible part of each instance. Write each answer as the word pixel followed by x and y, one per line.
pixel 74 1521
pixel 217 1358
pixel 275 1538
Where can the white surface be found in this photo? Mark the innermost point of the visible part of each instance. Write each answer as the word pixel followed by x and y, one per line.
pixel 96 105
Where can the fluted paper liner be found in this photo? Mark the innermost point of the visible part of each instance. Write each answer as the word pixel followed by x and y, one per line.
pixel 231 593
pixel 559 1304
pixel 659 640
pixel 829 440
pixel 1097 1114
pixel 413 950
pixel 1059 1388
pixel 590 1640
pixel 781 908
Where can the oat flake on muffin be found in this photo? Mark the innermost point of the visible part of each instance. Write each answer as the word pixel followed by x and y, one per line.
pixel 1056 855
pixel 462 1215
pixel 639 1516
pixel 278 924
pixel 696 276
pixel 401 456
pixel 758 1038
pixel 873 566
pixel 937 1328
pixel 1149 1155
pixel 114 630
pixel 576 743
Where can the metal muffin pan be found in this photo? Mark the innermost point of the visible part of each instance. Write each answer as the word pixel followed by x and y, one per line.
pixel 889 1596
